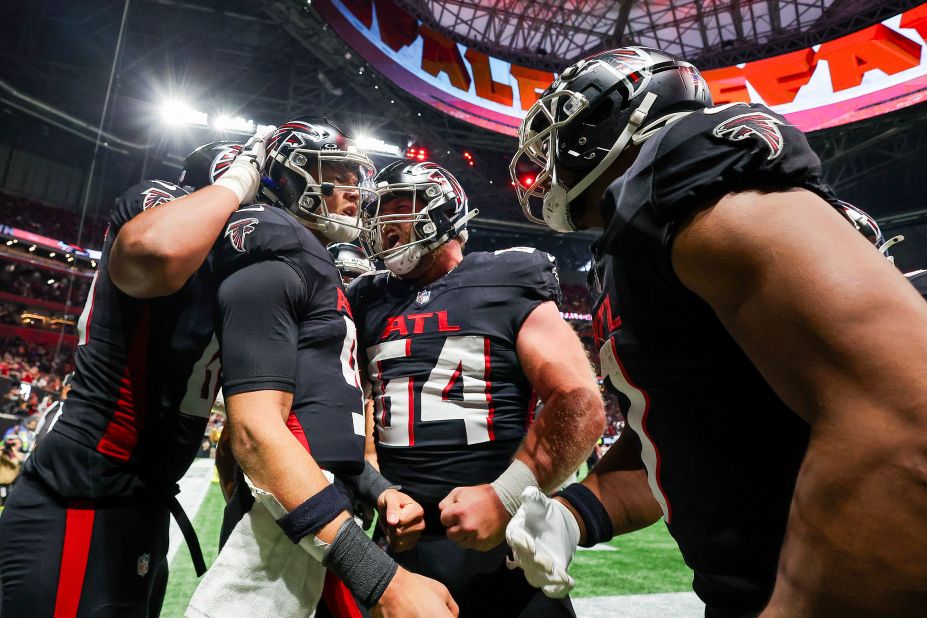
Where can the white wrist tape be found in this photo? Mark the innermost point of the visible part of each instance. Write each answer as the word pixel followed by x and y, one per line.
pixel 316 548
pixel 511 483
pixel 242 178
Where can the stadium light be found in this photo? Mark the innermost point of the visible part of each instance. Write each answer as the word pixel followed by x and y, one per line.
pixel 177 113
pixel 378 146
pixel 236 124
pixel 416 153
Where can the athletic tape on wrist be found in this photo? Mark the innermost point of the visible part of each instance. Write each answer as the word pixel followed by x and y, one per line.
pixel 597 522
pixel 363 567
pixel 314 513
pixel 242 178
pixel 369 484
pixel 511 483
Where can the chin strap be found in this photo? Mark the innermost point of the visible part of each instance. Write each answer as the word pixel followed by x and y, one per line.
pixel 636 120
pixel 651 129
pixel 888 244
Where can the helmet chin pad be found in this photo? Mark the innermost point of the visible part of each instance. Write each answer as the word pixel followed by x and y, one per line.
pixel 556 210
pixel 403 262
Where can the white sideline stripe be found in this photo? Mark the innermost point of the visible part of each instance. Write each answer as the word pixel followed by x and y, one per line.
pixel 663 605
pixel 193 488
pixel 598 547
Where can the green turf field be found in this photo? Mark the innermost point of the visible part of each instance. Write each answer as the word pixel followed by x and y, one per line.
pixel 644 562
pixel 182 581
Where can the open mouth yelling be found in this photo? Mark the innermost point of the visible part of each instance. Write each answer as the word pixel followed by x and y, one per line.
pixel 392 240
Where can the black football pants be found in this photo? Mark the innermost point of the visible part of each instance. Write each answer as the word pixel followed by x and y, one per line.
pixel 67 558
pixel 480 582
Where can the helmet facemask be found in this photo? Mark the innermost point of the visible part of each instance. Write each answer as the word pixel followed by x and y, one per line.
pixel 594 111
pixel 429 225
pixel 553 192
pixel 324 172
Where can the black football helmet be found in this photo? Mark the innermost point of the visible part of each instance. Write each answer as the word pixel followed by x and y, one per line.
pixel 301 155
pixel 439 212
pixel 206 164
pixel 350 260
pixel 868 227
pixel 589 116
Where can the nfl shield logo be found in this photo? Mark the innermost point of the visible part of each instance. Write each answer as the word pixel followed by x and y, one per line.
pixel 423 297
pixel 142 568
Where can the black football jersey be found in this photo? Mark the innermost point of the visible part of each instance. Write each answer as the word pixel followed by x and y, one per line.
pixel 452 402
pixel 146 379
pixel 328 403
pixel 722 451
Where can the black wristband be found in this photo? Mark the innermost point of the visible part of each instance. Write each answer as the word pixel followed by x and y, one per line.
pixel 369 484
pixel 597 522
pixel 363 567
pixel 310 516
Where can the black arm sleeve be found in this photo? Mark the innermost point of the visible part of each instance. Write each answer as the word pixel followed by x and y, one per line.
pixel 259 309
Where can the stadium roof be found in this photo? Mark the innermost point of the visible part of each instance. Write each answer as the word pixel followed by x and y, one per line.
pixel 551 33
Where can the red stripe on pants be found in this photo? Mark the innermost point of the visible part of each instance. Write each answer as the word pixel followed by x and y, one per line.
pixel 78 529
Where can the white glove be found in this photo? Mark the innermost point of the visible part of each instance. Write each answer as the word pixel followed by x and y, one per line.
pixel 243 177
pixel 543 535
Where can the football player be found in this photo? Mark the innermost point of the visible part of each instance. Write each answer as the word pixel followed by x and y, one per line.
pixel 292 392
pixel 458 351
pixel 350 260
pixel 86 532
pixel 53 412
pixel 769 361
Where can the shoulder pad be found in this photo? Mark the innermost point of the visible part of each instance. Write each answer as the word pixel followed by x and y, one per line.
pixel 712 152
pixel 363 286
pixel 520 267
pixel 259 232
pixel 142 196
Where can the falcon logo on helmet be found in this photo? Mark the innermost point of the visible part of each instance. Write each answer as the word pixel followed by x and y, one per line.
pixel 222 162
pixel 208 163
pixel 238 230
pixel 755 124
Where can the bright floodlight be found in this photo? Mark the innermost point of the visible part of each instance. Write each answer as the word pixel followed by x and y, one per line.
pixel 177 113
pixel 372 144
pixel 237 124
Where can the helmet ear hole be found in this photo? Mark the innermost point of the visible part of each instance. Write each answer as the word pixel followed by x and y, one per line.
pixel 601 112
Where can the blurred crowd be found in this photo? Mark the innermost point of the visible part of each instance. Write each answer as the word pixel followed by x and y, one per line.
pixel 34 363
pixel 34 216
pixel 32 282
